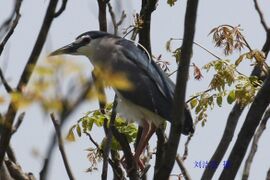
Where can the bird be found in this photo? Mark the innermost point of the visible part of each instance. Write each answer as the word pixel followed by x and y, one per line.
pixel 150 100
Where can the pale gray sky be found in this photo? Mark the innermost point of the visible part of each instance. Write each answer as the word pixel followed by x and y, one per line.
pixel 167 22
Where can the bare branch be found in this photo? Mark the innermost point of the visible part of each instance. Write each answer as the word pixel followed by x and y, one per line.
pixel 4 82
pixel 11 155
pixel 116 24
pixel 4 174
pixel 13 26
pixel 254 145
pixel 61 146
pixel 148 6
pixel 186 147
pixel 182 167
pixel 62 8
pixel 12 111
pixel 67 110
pixel 180 91
pixel 263 22
pixel 102 19
pixel 16 172
pixel 160 147
pixel 109 135
pixel 18 123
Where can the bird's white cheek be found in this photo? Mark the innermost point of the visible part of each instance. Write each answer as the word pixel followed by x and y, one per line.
pixel 85 51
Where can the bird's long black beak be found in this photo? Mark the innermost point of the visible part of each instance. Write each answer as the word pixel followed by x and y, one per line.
pixel 68 49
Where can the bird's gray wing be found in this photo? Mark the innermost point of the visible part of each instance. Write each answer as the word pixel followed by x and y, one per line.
pixel 154 89
pixel 151 69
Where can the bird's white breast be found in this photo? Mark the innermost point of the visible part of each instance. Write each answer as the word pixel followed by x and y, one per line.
pixel 134 113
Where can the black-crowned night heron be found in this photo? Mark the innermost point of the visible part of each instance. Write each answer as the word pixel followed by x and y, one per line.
pixel 150 100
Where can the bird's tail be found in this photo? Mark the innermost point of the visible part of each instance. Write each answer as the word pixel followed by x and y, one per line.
pixel 188 123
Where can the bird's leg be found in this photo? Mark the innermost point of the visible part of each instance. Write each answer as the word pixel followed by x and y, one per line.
pixel 147 132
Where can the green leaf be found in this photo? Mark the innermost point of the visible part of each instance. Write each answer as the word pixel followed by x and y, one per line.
pixel 219 101
pixel 70 136
pixel 231 97
pixel 79 131
pixel 99 120
pixel 90 124
pixel 171 2
pixel 193 103
pixel 198 108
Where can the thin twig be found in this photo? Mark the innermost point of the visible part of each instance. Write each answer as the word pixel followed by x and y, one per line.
pixel 11 154
pixel 186 147
pixel 67 110
pixel 111 162
pixel 145 170
pixel 4 82
pixel 107 147
pixel 116 24
pixel 199 45
pixel 7 22
pixel 254 145
pixel 18 123
pixel 263 22
pixel 62 8
pixel 182 167
pixel 92 140
pixel 13 26
pixel 61 146
pixel 190 99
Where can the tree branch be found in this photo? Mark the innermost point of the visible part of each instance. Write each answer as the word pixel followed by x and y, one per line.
pixel 180 91
pixel 4 82
pixel 254 145
pixel 18 123
pixel 62 8
pixel 12 111
pixel 115 23
pixel 64 115
pixel 263 22
pixel 102 19
pixel 148 6
pixel 160 148
pixel 61 146
pixel 182 167
pixel 16 172
pixel 233 118
pixel 107 147
pixel 131 166
pixel 246 133
pixel 13 26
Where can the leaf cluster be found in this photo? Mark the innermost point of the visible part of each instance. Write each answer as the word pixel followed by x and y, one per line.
pixel 225 74
pixel 85 124
pixel 229 38
pixel 227 83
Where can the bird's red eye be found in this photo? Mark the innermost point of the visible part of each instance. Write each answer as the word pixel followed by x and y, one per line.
pixel 86 39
